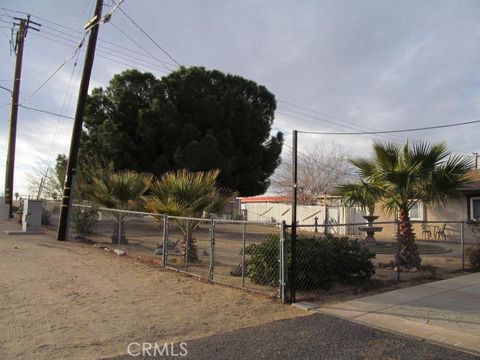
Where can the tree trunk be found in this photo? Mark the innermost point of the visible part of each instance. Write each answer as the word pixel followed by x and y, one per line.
pixel 190 248
pixel 407 254
pixel 188 245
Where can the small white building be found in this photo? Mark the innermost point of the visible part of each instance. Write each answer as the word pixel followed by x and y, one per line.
pixel 278 209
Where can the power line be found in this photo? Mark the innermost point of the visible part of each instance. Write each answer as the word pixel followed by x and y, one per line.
pixel 72 30
pixel 140 46
pixel 111 53
pixel 60 121
pixel 344 172
pixel 336 128
pixel 151 68
pixel 91 26
pixel 148 36
pixel 67 59
pixel 44 111
pixel 148 55
pixel 6 89
pixel 6 37
pixel 334 121
pixel 390 131
pixel 397 139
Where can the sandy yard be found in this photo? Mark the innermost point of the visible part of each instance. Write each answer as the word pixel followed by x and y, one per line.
pixel 66 300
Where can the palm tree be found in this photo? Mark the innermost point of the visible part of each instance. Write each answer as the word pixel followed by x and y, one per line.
pixel 118 190
pixel 187 194
pixel 359 194
pixel 405 175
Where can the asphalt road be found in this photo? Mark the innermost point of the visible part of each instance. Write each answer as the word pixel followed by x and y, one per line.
pixel 313 337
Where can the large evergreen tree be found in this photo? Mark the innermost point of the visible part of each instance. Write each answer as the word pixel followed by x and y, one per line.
pixel 193 118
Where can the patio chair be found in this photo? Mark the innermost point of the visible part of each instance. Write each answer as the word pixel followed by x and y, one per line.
pixel 440 235
pixel 426 232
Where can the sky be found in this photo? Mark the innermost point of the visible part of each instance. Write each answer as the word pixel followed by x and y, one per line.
pixel 332 65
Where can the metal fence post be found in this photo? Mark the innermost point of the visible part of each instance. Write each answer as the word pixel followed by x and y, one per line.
pixel 282 264
pixel 119 238
pixel 187 244
pixel 165 241
pixel 212 250
pixel 243 253
pixel 398 251
pixel 462 243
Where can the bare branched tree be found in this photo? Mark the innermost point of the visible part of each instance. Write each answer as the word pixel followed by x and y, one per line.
pixel 46 180
pixel 320 169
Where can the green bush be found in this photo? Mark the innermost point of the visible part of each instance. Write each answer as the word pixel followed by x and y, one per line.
pixel 473 254
pixel 263 263
pixel 320 261
pixel 83 219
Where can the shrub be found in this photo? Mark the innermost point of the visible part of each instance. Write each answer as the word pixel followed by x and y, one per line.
pixel 83 219
pixel 473 254
pixel 263 264
pixel 320 261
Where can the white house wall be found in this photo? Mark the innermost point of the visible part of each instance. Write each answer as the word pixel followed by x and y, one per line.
pixel 278 212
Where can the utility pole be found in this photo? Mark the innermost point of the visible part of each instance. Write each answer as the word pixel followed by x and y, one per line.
pixel 293 274
pixel 476 160
pixel 24 25
pixel 94 25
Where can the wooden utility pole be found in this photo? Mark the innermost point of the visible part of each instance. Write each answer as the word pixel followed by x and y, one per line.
pixel 94 24
pixel 12 138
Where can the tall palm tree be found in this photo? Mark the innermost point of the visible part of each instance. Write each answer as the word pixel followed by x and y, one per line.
pixel 405 175
pixel 187 194
pixel 118 190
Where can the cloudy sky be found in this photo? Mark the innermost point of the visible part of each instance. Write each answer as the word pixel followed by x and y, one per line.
pixel 333 65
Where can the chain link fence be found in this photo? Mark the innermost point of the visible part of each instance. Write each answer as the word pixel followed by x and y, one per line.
pixel 353 256
pixel 215 250
pixel 257 256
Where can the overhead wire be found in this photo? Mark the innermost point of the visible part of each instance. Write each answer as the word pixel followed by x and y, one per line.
pixel 139 45
pixel 391 131
pixel 133 63
pixel 149 37
pixel 319 162
pixel 59 67
pixel 45 111
pixel 396 139
pixel 104 18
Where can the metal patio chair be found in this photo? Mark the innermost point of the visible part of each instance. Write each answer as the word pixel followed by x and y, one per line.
pixel 426 232
pixel 440 233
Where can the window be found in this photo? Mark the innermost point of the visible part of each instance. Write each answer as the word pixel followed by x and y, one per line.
pixel 475 208
pixel 416 212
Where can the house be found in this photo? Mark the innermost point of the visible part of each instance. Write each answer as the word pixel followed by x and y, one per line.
pixel 463 208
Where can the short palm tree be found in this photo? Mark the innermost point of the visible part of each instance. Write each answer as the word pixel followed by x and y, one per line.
pixel 118 190
pixel 359 194
pixel 405 175
pixel 187 194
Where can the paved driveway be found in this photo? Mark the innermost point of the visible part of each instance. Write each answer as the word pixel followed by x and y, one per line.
pixel 445 312
pixel 311 337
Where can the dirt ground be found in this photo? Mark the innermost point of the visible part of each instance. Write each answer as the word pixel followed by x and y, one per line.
pixel 67 300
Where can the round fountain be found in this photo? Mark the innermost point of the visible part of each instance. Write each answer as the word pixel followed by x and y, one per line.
pixel 370 229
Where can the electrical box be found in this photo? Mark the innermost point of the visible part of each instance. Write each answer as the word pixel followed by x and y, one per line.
pixel 32 215
pixel 4 209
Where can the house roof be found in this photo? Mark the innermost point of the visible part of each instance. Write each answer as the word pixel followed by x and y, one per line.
pixel 258 199
pixel 474 183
